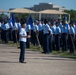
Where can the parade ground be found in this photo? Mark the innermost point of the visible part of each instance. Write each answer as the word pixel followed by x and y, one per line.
pixel 36 63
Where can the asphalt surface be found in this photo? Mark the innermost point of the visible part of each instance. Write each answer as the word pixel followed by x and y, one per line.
pixel 37 63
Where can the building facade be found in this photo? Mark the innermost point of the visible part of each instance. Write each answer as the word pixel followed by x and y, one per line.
pixel 45 6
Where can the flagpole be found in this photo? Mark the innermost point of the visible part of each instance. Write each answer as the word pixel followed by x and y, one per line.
pixel 38 41
pixel 12 19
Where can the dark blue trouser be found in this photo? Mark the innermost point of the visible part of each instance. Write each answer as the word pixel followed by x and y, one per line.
pixel 41 38
pixel 57 42
pixel 14 36
pixel 50 43
pixel 10 34
pixel 75 44
pixel 32 37
pixel 35 41
pixel 18 36
pixel 6 36
pixel 53 42
pixel 22 52
pixel 64 42
pixel 71 43
pixel 46 43
pixel 28 42
pixel 2 35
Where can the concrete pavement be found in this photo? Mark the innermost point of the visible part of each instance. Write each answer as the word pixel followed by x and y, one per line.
pixel 37 63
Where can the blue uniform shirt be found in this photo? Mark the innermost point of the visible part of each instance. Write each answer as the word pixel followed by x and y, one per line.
pixel 57 30
pixel 40 27
pixel 46 29
pixel 10 25
pixel 53 29
pixel 28 27
pixel 19 25
pixel 60 25
pixel 51 32
pixel 67 25
pixel 64 29
pixel 5 26
pixel 36 28
pixel 75 29
pixel 15 27
pixel 71 30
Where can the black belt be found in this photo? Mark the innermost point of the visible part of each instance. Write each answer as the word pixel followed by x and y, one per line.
pixel 46 34
pixel 40 31
pixel 64 33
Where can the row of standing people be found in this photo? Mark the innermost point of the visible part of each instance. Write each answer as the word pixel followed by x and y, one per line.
pixel 8 31
pixel 52 35
pixel 55 36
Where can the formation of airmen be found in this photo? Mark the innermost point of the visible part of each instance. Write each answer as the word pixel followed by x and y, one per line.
pixel 51 35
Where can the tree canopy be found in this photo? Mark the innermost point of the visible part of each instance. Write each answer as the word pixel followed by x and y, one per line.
pixel 72 14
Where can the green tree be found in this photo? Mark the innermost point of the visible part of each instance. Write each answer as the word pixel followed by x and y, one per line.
pixel 72 14
pixel 3 16
pixel 22 16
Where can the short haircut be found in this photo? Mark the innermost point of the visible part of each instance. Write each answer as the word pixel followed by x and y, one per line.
pixel 22 23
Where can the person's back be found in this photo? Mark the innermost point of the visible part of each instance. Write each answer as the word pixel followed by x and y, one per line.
pixel 57 36
pixel 6 31
pixel 46 28
pixel 46 31
pixel 71 38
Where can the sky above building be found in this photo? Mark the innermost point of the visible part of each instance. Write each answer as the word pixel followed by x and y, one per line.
pixel 6 4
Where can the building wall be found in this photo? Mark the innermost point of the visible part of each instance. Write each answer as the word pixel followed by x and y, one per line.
pixel 45 6
pixel 46 16
pixel 41 7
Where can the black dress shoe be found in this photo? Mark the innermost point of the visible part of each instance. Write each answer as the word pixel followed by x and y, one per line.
pixel 43 52
pixel 18 47
pixel 22 62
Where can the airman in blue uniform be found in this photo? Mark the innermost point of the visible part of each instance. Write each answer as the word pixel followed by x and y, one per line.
pixel 57 36
pixel 0 29
pixel 35 34
pixel 50 38
pixel 46 32
pixel 71 38
pixel 10 31
pixel 15 32
pixel 75 35
pixel 18 29
pixel 64 37
pixel 5 28
pixel 53 27
pixel 40 27
pixel 28 30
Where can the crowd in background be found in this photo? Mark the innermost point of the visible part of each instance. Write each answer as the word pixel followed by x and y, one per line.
pixel 51 35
